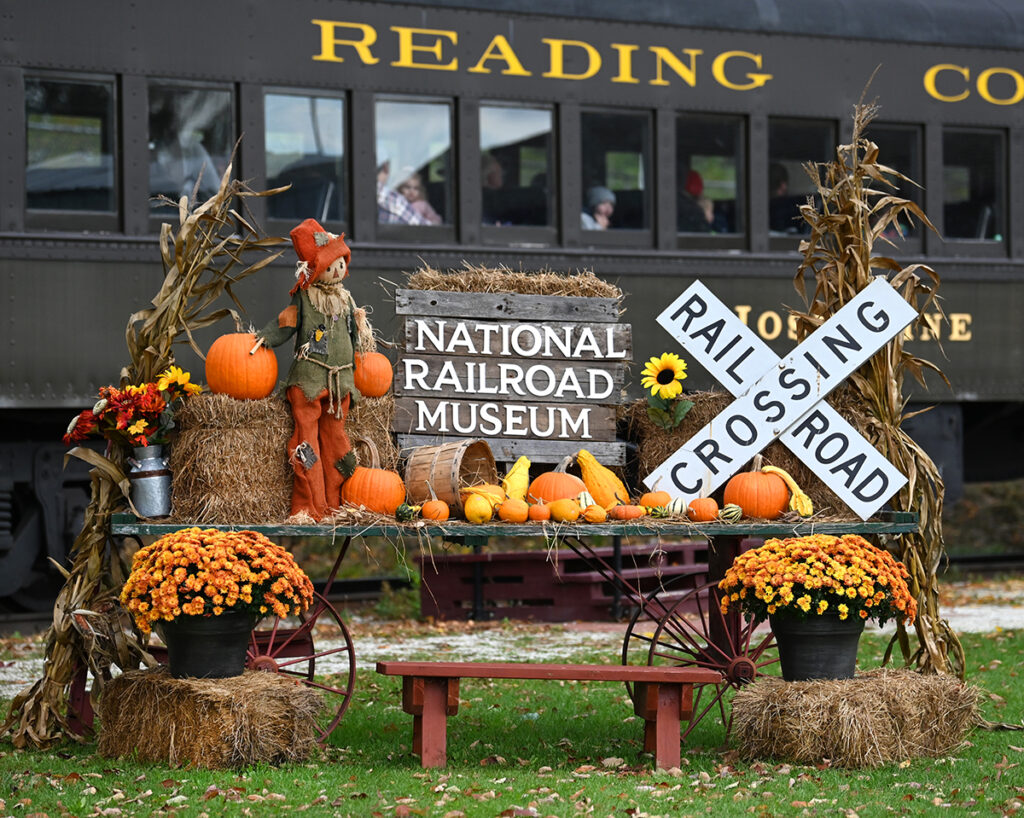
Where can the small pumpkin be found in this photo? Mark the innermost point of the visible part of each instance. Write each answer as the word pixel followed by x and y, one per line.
pixel 655 499
pixel 626 512
pixel 759 494
pixel 540 512
pixel 594 514
pixel 565 510
pixel 557 484
pixel 702 510
pixel 372 374
pixel 231 370
pixel 477 509
pixel 375 489
pixel 514 511
pixel 435 509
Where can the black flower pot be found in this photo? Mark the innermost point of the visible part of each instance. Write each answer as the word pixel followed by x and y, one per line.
pixel 207 647
pixel 818 647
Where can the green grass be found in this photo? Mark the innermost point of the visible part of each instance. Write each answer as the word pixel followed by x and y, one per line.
pixel 545 748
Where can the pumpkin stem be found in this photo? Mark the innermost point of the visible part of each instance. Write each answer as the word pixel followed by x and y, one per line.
pixel 758 459
pixel 430 488
pixel 563 467
pixel 369 451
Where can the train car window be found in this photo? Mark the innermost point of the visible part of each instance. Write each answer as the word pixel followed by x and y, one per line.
pixel 791 144
pixel 516 166
pixel 414 163
pixel 305 148
pixel 616 154
pixel 899 147
pixel 973 171
pixel 190 141
pixel 71 144
pixel 709 168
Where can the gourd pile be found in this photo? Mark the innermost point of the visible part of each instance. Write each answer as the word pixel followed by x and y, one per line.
pixel 599 495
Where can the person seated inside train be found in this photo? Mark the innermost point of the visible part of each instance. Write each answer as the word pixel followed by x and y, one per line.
pixel 392 206
pixel 492 183
pixel 782 208
pixel 694 211
pixel 599 206
pixel 179 160
pixel 411 187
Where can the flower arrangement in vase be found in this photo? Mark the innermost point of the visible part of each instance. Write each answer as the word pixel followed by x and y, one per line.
pixel 136 416
pixel 195 580
pixel 818 584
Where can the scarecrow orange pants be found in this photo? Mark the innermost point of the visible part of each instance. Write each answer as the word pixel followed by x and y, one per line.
pixel 317 445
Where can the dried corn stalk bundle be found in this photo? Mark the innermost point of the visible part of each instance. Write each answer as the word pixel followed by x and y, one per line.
pixel 857 208
pixel 202 260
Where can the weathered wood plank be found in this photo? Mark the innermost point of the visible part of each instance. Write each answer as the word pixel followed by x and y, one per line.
pixel 467 418
pixel 507 450
pixel 453 336
pixel 510 379
pixel 495 306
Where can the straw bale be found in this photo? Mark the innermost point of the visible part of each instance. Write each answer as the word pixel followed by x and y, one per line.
pixel 371 418
pixel 655 445
pixel 229 461
pixel 254 718
pixel 878 717
pixel 481 279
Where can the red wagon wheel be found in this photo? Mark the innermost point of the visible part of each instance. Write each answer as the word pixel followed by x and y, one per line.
pixel 288 648
pixel 690 630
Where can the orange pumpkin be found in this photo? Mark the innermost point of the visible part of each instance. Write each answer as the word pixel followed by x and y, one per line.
pixel 231 370
pixel 540 512
pixel 514 511
pixel 379 490
pixel 372 374
pixel 702 510
pixel 759 494
pixel 624 512
pixel 435 510
pixel 594 514
pixel 655 499
pixel 556 484
pixel 565 510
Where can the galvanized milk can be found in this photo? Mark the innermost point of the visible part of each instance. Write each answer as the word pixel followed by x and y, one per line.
pixel 150 482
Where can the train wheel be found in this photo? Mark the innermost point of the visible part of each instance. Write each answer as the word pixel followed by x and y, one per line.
pixel 691 631
pixel 288 648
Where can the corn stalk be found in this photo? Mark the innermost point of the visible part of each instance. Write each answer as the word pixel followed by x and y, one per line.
pixel 202 261
pixel 857 208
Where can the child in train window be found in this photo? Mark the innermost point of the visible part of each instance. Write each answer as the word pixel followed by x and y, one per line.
pixel 600 205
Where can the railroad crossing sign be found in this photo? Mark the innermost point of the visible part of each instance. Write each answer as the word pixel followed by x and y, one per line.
pixel 784 398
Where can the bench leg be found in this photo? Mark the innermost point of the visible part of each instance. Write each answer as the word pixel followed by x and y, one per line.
pixel 430 730
pixel 662 712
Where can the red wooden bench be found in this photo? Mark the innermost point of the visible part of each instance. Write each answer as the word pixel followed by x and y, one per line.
pixel 663 697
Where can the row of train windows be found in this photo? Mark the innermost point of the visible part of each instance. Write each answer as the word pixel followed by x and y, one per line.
pixel 71 161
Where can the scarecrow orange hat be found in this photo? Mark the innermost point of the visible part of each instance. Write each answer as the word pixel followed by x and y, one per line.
pixel 317 249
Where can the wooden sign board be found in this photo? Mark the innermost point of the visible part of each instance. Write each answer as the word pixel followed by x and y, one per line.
pixel 533 375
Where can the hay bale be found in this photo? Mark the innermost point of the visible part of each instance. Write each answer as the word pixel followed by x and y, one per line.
pixel 371 419
pixel 229 461
pixel 213 723
pixel 473 279
pixel 655 445
pixel 879 717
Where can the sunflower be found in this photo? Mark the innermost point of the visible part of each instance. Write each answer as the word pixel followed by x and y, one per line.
pixel 663 375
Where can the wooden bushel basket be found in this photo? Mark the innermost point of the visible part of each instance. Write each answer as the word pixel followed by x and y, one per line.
pixel 448 468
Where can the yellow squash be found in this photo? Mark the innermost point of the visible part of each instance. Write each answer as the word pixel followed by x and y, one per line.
pixel 517 480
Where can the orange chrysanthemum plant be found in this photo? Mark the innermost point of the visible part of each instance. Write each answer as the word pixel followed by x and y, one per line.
pixel 195 572
pixel 818 575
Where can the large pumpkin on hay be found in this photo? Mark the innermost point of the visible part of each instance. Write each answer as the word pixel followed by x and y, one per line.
pixel 231 370
pixel 378 490
pixel 759 494
pixel 556 484
pixel 372 374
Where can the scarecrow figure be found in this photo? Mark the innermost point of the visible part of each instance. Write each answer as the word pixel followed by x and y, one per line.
pixel 320 387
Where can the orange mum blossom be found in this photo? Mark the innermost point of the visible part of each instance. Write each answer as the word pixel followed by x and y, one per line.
pixel 816 575
pixel 195 572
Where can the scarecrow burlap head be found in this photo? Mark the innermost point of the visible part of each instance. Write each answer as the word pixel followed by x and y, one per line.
pixel 317 250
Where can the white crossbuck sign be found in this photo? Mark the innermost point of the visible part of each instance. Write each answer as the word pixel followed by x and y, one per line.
pixel 784 398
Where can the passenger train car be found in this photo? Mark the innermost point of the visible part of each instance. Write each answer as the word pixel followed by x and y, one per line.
pixel 653 142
